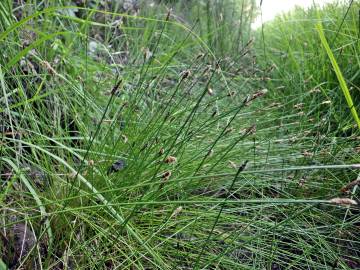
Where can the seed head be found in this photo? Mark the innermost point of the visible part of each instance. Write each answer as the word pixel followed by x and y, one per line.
pixel 166 175
pixel 147 53
pixel 49 68
pixel 201 55
pixel 299 106
pixel 343 201
pixel 256 95
pixel 170 159
pixel 233 164
pixel 350 185
pixel 168 15
pixel 124 138
pixel 231 94
pixel 185 74
pixel 177 211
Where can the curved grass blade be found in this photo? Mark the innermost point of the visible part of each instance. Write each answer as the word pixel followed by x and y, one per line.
pixel 35 196
pixel 338 73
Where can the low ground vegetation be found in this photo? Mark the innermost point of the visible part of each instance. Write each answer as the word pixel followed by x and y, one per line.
pixel 170 135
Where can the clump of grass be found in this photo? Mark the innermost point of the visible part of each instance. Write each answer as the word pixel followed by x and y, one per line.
pixel 141 128
pixel 301 63
pixel 339 75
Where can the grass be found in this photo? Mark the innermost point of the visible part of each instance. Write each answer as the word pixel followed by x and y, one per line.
pixel 216 171
pixel 339 75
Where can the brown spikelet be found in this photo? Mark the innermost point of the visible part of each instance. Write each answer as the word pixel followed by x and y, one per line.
pixel 249 43
pixel 343 201
pixel 302 182
pixel 315 90
pixel 166 175
pixel 259 93
pixel 125 139
pixel 185 74
pixel 177 211
pixel 299 106
pixel 210 153
pixel 228 130
pixel 115 89
pixel 200 55
pixel 91 162
pixel 350 185
pixel 231 94
pixel 271 68
pixel 161 152
pixel 168 15
pixel 326 102
pixel 49 68
pixel 306 153
pixel 274 104
pixel 250 130
pixel 170 159
pixel 147 53
pixel 233 165
pixel 217 65
pixel 256 95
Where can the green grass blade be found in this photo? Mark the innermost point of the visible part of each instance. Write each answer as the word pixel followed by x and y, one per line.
pixel 338 72
pixel 35 196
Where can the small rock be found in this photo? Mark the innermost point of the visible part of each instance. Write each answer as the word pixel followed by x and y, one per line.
pixel 20 240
